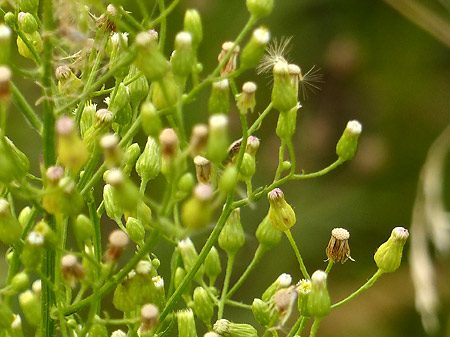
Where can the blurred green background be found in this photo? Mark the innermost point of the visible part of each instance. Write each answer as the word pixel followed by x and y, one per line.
pixel 380 69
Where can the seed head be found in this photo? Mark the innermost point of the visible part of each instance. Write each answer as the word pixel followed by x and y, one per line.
pixel 338 249
pixel 231 64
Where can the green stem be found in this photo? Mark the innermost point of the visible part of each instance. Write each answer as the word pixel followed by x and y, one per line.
pixel 298 326
pixel 330 265
pixel 257 123
pixel 315 327
pixel 292 156
pixel 365 286
pixel 280 160
pixel 297 254
pixel 97 234
pixel 21 103
pixel 164 14
pixel 256 258
pixel 226 283
pixel 163 26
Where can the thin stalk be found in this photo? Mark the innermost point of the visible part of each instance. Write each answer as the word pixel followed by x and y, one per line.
pixel 256 258
pixel 163 25
pixel 329 266
pixel 301 321
pixel 291 156
pixel 164 14
pixel 24 107
pixel 97 234
pixel 297 254
pixel 280 160
pixel 365 286
pixel 257 123
pixel 226 283
pixel 315 327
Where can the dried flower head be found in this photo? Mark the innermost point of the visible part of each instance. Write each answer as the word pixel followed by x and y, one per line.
pixel 149 317
pixel 231 64
pixel 203 169
pixel 72 271
pixel 5 81
pixel 276 51
pixel 118 240
pixel 338 249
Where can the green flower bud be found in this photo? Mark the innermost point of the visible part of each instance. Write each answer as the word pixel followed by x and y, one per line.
pixel 319 299
pixel 259 8
pixel 219 100
pixel 138 88
pixel 16 327
pixel 182 59
pixel 72 151
pixel 159 297
pixel 116 48
pixel 389 255
pixel 186 323
pixel 228 180
pixel 51 240
pixel 267 235
pixel 87 117
pixel 165 92
pixel 20 282
pixel 10 228
pixel 186 183
pixel 28 5
pixel 151 122
pixel 83 229
pixel 112 206
pixel 217 148
pixel 135 230
pixel 70 200
pixel 132 154
pixel 193 25
pixel 121 99
pixel 10 19
pixel 148 165
pixel 27 22
pixel 102 123
pixel 31 307
pixel 14 162
pixel 287 122
pixel 68 83
pixel 150 60
pixel 144 214
pixel 180 273
pixel 122 299
pixel 262 311
pixel 199 139
pixel 32 252
pixel 281 214
pixel 226 328
pixel 246 99
pixel 203 305
pixel 248 167
pixel 232 236
pixel 284 97
pixel 6 316
pixel 286 165
pixel 196 212
pixel 128 195
pixel 189 256
pixel 303 289
pixel 111 150
pixel 254 50
pixel 212 265
pixel 5 44
pixel 35 40
pixel 98 330
pixel 283 281
pixel 348 143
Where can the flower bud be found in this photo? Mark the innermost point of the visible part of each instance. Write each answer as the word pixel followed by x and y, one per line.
pixel 203 305
pixel 186 323
pixel 219 101
pixel 226 328
pixel 6 316
pixel 338 248
pixel 28 5
pixel 186 183
pixel 127 194
pixel 151 122
pixel 132 154
pixel 16 327
pixel 5 44
pixel 118 240
pixel 10 228
pixel 32 252
pixel 254 50
pixel 102 123
pixel 83 229
pixel 70 200
pixel 319 299
pixel 193 25
pixel 14 163
pixel 287 122
pixel 217 148
pixel 281 214
pixel 149 317
pixel 20 282
pixel 116 49
pixel 112 206
pixel 348 143
pixel 262 311
pixel 165 92
pixel 138 88
pixel 228 179
pixel 87 117
pixel 199 139
pixel 27 22
pixel 189 256
pixel 150 60
pixel 71 270
pixel 159 296
pixel 246 99
pixel 111 150
pixel 231 64
pixel 284 97
pixel 135 230
pixel 303 289
pixel 212 265
pixel 148 165
pixel 68 82
pixel 31 307
pixel 267 235
pixel 98 330
pixel 50 237
pixel 35 40
pixel 196 212
pixel 283 281
pixel 25 216
pixel 259 8
pixel 248 167
pixel 5 82
pixel 72 152
pixel 389 255
pixel 182 59
pixel 232 236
